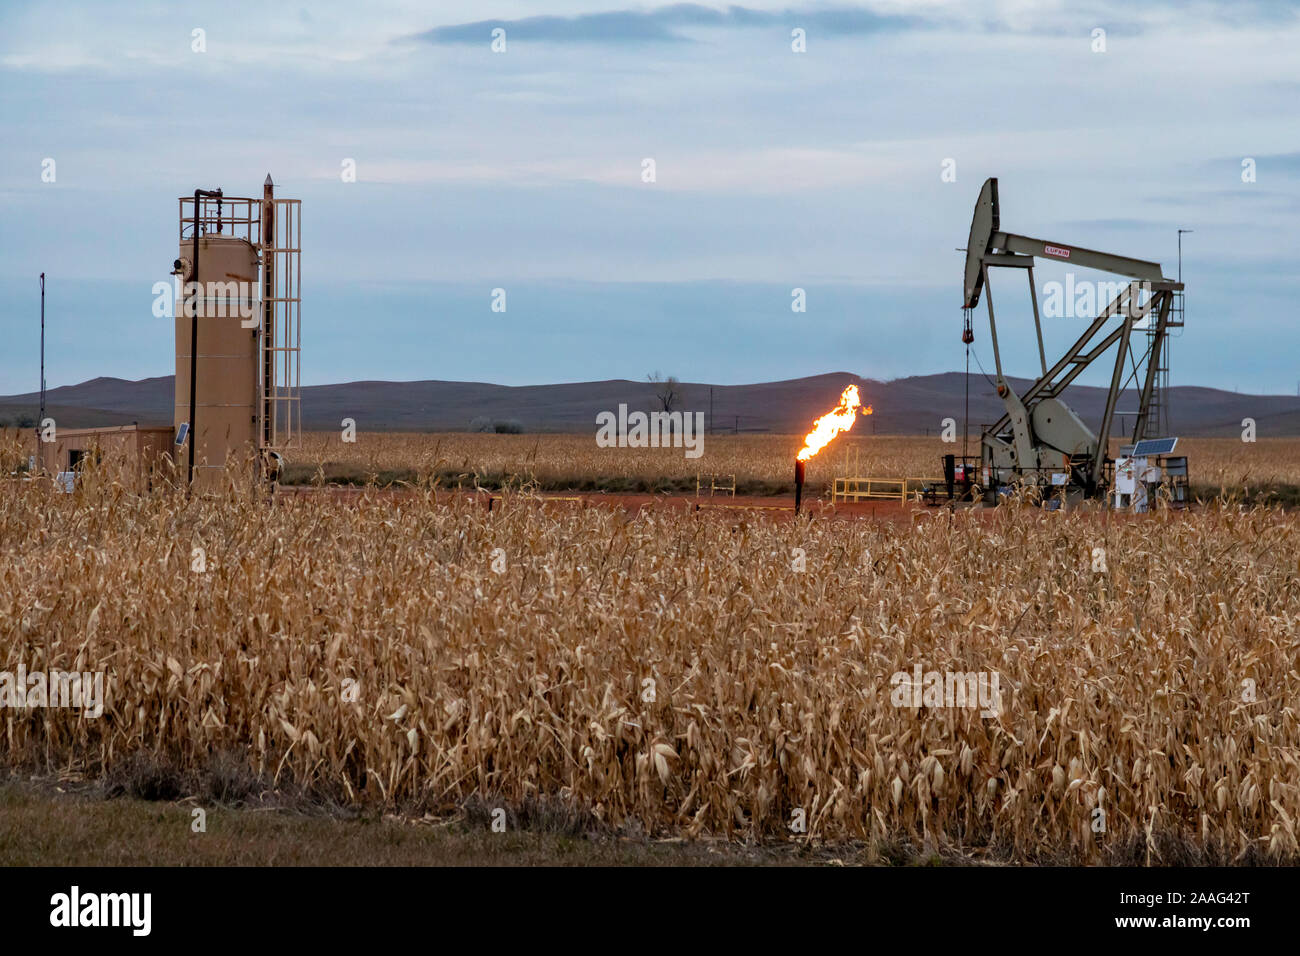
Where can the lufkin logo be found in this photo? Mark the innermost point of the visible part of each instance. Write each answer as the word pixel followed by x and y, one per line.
pixel 1059 251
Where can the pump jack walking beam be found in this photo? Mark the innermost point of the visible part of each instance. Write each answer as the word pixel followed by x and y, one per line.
pixel 988 242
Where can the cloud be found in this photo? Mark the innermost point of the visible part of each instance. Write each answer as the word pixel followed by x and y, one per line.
pixel 1116 222
pixel 667 24
pixel 759 171
pixel 673 23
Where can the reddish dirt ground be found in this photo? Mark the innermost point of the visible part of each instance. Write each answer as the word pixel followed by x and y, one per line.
pixel 777 506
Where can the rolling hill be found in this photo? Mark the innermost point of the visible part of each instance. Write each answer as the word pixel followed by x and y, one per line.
pixel 902 406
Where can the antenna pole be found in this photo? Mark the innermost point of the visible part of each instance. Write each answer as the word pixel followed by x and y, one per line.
pixel 41 416
pixel 1180 252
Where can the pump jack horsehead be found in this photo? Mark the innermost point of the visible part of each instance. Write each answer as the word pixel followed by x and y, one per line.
pixel 1040 434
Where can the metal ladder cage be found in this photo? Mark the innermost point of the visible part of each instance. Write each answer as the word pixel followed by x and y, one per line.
pixel 280 410
pixel 1159 413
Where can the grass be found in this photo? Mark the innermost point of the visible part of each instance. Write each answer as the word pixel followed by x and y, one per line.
pixel 45 822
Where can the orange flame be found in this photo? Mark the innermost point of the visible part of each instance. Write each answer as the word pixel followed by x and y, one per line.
pixel 832 423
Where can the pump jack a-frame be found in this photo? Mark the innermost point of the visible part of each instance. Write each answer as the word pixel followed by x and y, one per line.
pixel 1040 435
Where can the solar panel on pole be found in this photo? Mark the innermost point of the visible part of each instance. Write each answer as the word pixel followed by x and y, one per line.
pixel 1154 446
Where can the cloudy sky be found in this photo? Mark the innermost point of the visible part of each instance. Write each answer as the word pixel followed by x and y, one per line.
pixel 522 170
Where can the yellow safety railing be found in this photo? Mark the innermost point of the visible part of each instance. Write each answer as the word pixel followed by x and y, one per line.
pixel 894 489
pixel 717 484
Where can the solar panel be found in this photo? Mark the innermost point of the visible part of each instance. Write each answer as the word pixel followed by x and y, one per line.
pixel 1154 446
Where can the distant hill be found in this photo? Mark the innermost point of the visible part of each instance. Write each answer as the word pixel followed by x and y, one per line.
pixel 902 406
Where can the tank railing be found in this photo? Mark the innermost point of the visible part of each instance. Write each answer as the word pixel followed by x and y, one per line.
pixel 239 218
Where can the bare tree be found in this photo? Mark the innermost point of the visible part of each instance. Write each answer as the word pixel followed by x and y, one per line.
pixel 668 391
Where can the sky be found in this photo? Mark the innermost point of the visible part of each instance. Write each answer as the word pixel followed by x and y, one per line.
pixel 848 170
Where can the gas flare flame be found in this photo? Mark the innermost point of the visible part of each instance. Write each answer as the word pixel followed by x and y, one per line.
pixel 832 423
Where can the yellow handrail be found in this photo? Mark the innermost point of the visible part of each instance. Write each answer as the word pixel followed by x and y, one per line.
pixel 894 488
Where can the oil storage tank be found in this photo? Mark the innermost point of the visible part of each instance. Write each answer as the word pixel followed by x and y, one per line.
pixel 225 356
pixel 238 402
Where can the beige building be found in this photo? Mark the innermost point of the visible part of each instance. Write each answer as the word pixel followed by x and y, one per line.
pixel 139 453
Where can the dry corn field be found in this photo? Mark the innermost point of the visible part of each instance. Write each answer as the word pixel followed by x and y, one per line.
pixel 678 672
pixel 763 462
pixel 556 461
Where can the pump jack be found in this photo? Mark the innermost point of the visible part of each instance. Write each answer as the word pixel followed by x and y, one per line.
pixel 1040 435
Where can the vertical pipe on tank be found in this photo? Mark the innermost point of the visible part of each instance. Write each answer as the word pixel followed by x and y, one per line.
pixel 268 312
pixel 194 330
pixel 194 341
pixel 799 467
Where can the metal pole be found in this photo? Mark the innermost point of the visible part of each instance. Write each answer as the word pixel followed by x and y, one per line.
pixel 967 337
pixel 40 417
pixel 1103 440
pixel 1038 326
pixel 993 328
pixel 268 312
pixel 194 340
pixel 965 422
pixel 194 332
pixel 42 350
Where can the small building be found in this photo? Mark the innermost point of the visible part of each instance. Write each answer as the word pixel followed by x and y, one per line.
pixel 140 452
